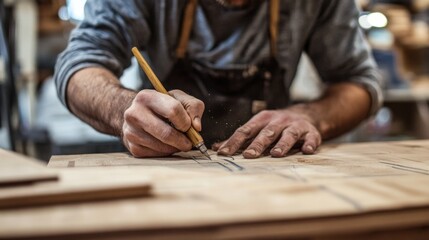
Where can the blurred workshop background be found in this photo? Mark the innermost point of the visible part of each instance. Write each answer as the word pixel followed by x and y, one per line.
pixel 34 32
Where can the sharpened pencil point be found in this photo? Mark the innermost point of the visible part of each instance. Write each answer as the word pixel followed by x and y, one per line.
pixel 203 149
pixel 207 155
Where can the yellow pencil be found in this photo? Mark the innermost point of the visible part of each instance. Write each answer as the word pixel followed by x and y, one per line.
pixel 192 134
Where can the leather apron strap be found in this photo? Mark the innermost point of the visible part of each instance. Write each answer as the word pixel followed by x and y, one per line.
pixel 274 25
pixel 188 20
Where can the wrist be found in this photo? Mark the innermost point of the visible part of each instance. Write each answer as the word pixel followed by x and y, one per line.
pixel 313 115
pixel 124 101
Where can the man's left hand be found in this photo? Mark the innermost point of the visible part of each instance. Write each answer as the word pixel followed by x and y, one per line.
pixel 281 128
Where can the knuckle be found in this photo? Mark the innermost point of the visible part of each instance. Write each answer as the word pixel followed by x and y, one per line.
pixel 129 115
pixel 300 125
pixel 264 115
pixel 315 137
pixel 164 134
pixel 174 92
pixel 266 112
pixel 294 133
pixel 183 127
pixel 200 104
pixel 268 134
pixel 175 110
pixel 244 130
pixel 318 136
pixel 316 133
pixel 144 95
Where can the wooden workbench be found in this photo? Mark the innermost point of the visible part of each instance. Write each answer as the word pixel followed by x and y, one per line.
pixel 368 190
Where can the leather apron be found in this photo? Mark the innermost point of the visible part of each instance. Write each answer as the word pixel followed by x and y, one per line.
pixel 232 96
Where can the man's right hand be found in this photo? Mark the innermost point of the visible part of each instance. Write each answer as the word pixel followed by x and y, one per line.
pixel 155 123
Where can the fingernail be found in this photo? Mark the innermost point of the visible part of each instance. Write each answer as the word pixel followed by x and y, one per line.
pixel 276 150
pixel 310 148
pixel 250 152
pixel 197 119
pixel 197 123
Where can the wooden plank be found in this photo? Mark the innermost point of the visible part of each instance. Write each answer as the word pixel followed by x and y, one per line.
pixel 409 224
pixel 211 203
pixel 18 169
pixel 77 185
pixel 332 161
pixel 25 183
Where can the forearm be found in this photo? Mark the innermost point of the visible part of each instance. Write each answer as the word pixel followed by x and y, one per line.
pixel 342 107
pixel 96 96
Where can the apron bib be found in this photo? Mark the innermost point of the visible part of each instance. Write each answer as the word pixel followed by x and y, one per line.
pixel 232 96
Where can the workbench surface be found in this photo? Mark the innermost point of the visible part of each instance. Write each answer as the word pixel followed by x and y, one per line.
pixel 370 190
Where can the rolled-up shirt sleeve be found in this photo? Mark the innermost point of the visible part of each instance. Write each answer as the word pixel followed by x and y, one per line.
pixel 105 38
pixel 340 52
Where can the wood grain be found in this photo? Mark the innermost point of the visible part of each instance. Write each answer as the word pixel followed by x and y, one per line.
pixel 357 191
pixel 77 185
pixel 18 169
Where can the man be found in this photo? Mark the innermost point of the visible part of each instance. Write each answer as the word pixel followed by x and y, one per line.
pixel 230 59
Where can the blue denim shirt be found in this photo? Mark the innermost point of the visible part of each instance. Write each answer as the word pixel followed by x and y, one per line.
pixel 327 30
